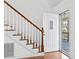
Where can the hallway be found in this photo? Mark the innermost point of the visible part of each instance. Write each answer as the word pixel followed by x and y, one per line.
pixel 38 29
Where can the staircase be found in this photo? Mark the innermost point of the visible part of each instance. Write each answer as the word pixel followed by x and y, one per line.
pixel 21 27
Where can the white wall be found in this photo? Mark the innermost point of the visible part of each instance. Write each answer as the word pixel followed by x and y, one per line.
pixel 34 9
pixel 68 5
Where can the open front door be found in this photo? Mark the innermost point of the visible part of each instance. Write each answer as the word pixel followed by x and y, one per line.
pixel 51 32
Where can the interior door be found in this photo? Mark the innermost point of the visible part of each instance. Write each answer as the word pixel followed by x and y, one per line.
pixel 51 32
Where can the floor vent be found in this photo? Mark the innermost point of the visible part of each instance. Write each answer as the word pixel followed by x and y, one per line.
pixel 8 50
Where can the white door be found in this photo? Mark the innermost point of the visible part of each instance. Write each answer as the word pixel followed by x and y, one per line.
pixel 51 32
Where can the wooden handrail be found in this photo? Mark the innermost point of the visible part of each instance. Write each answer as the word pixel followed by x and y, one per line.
pixel 22 15
pixel 41 30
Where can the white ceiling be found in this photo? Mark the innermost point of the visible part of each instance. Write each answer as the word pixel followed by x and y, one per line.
pixel 45 3
pixel 50 3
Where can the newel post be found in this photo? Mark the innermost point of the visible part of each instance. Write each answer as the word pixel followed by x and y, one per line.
pixel 42 43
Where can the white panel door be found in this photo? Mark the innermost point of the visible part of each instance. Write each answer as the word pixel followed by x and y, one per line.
pixel 51 32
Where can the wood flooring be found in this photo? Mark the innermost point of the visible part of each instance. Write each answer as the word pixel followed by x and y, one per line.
pixel 51 55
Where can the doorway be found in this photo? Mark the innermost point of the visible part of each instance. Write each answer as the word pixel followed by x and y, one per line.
pixel 51 32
